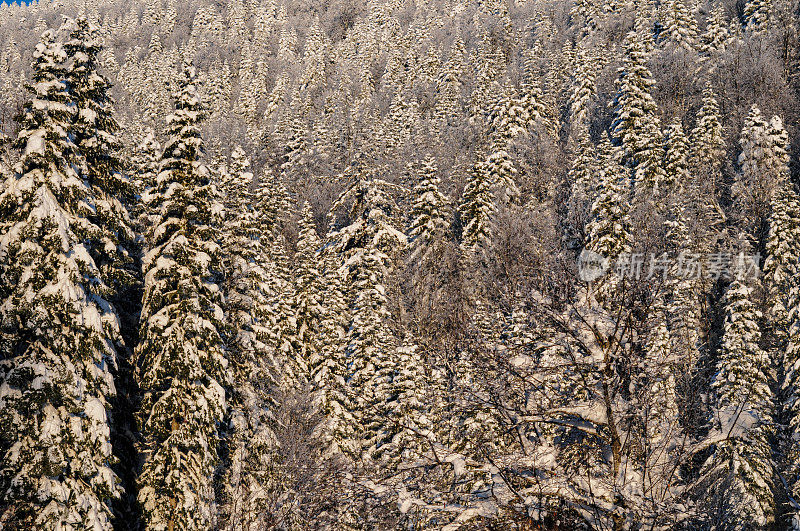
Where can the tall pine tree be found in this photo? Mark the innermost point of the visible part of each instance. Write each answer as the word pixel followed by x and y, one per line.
pixel 739 473
pixel 59 331
pixel 181 358
pixel 636 125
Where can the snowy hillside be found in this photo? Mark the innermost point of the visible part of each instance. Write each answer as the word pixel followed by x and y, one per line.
pixel 400 264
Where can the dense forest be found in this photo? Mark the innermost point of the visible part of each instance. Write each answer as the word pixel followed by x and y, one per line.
pixel 400 264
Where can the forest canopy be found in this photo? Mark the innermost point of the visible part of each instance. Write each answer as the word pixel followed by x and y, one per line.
pixel 400 264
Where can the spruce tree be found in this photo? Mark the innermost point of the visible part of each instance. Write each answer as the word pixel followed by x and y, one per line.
pixel 409 411
pixel 449 104
pixel 739 473
pixel 587 12
pixel 502 173
pixel 676 168
pixel 706 151
pixel 254 370
pixel 477 209
pixel 716 37
pixel 684 292
pixel 680 27
pixel 182 363
pixel 329 371
pixel 144 170
pixel 608 231
pixel 308 300
pixel 507 119
pixel 369 245
pixel 659 405
pixel 535 103
pixel 782 255
pixel 59 331
pixel 707 144
pixel 583 91
pixel 781 273
pixel 756 14
pixel 583 190
pixel 636 125
pixel 96 134
pixel 429 212
pixel 791 389
pixel 763 166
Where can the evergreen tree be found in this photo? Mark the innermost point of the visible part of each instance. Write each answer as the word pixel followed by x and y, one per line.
pixel 274 206
pixel 763 166
pixel 680 27
pixel 676 170
pixel 739 473
pixel 608 231
pixel 308 299
pixel 329 371
pixel 707 144
pixel 429 212
pixel 783 311
pixel 756 14
pixel 501 172
pixel 534 101
pixel 96 135
pixel 582 191
pixel 782 255
pixel 369 245
pixel 477 209
pixel 587 12
pixel 409 412
pixel 583 91
pixel 507 120
pixel 144 170
pixel 182 364
pixel 95 128
pixel 449 102
pixel 253 366
pixel 685 294
pixel 716 37
pixel 706 151
pixel 659 406
pixel 636 125
pixel 59 331
pixel 489 63
pixel 791 389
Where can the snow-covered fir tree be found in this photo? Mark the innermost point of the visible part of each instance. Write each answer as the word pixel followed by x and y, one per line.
pixel 636 125
pixel 740 472
pixel 60 333
pixel 608 231
pixel 477 208
pixel 329 370
pixel 254 369
pixel 763 166
pixel 369 244
pixel 143 171
pixel 583 91
pixel 680 27
pixel 582 191
pixel 707 142
pixel 429 212
pixel 307 306
pixel 716 36
pixel 676 168
pixel 182 360
pixel 756 14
